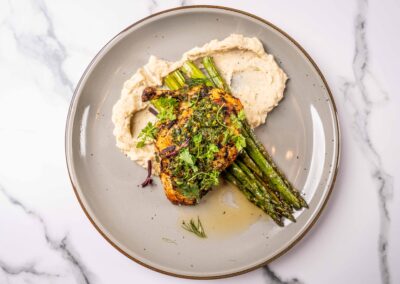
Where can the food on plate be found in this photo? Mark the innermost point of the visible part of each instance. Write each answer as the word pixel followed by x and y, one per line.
pixel 196 138
pixel 252 75
pixel 194 125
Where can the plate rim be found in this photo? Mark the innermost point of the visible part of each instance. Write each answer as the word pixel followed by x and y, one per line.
pixel 337 144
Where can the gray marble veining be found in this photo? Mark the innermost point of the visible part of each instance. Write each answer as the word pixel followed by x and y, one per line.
pixel 362 104
pixel 153 6
pixel 45 47
pixel 62 247
pixel 34 28
pixel 273 278
pixel 29 269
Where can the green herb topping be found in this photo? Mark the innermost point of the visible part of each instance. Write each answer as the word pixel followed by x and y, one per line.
pixel 146 135
pixel 195 228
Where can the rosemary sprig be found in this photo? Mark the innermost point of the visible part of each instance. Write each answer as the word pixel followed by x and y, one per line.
pixel 195 228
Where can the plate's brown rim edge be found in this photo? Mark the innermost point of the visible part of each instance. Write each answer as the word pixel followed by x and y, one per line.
pixel 337 145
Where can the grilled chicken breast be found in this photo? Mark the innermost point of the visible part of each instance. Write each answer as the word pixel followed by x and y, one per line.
pixel 198 137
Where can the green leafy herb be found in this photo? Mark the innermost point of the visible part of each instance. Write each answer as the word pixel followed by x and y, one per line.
pixel 166 115
pixel 226 136
pixel 211 150
pixel 211 179
pixel 190 190
pixel 188 159
pixel 167 102
pixel 195 228
pixel 241 116
pixel 240 142
pixel 236 121
pixel 166 107
pixel 147 134
pixel 197 139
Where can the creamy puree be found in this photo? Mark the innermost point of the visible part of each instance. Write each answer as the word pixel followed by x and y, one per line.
pixel 253 76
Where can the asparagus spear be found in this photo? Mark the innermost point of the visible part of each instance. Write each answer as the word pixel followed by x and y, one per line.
pixel 248 172
pixel 250 163
pixel 266 155
pixel 263 197
pixel 274 180
pixel 213 73
pixel 279 206
pixel 179 78
pixel 171 82
pixel 232 179
pixel 279 211
pixel 192 72
pixel 277 181
pixel 255 155
pixel 247 182
pixel 175 81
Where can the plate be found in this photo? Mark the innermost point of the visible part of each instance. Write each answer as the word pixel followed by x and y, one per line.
pixel 302 134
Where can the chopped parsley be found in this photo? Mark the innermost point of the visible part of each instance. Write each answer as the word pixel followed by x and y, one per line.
pixel 201 139
pixel 241 116
pixel 188 159
pixel 197 139
pixel 236 122
pixel 166 107
pixel 240 142
pixel 212 149
pixel 147 134
pixel 166 115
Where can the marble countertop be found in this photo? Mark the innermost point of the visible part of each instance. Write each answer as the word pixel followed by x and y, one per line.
pixel 45 47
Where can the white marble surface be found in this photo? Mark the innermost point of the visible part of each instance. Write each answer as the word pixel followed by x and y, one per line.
pixel 46 45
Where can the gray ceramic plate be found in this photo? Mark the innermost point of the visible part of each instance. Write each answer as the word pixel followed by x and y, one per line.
pixel 302 134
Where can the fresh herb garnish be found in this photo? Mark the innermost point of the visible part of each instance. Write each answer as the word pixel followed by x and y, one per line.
pixel 212 149
pixel 240 142
pixel 236 121
pixel 195 167
pixel 241 116
pixel 166 107
pixel 166 102
pixel 226 136
pixel 166 115
pixel 147 134
pixel 195 228
pixel 210 179
pixel 188 159
pixel 197 139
